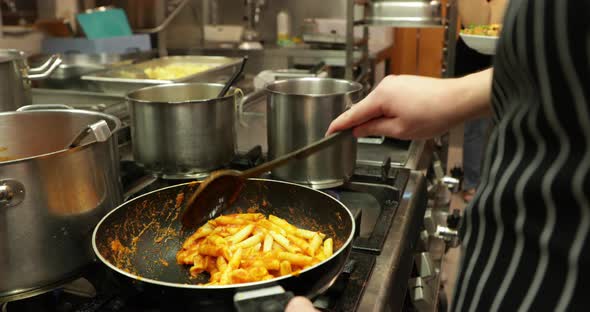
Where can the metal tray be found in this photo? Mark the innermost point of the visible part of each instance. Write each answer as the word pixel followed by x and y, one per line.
pixel 113 81
pixel 404 13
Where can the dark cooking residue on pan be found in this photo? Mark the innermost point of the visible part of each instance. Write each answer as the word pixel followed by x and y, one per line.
pixel 123 238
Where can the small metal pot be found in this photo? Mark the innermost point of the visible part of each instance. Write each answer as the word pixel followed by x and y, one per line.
pixel 16 76
pixel 51 196
pixel 182 130
pixel 299 112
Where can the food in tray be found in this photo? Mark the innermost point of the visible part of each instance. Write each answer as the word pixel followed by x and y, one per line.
pixel 492 30
pixel 166 72
pixel 174 71
pixel 248 247
pixel 128 74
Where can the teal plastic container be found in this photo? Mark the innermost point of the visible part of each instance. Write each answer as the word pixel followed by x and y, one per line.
pixel 105 24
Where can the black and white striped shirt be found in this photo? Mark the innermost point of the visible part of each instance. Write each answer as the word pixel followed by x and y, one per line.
pixel 526 243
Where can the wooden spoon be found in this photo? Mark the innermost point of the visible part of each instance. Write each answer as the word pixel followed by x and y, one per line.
pixel 218 191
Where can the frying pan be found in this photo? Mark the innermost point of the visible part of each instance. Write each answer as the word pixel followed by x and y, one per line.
pixel 140 238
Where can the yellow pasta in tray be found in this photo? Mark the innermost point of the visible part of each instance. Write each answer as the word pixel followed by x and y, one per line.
pixel 173 71
pixel 248 247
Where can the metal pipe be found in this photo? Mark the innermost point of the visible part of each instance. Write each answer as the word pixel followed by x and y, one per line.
pixel 451 20
pixel 166 22
pixel 348 71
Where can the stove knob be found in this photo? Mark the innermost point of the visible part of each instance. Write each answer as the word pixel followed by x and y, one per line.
pixel 454 219
pixel 424 240
pixel 421 294
pixel 429 222
pixel 425 265
pixel 450 236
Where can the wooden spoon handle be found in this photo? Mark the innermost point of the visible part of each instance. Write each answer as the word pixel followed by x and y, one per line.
pixel 298 154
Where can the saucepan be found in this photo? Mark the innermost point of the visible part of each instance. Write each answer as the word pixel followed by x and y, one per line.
pixel 299 112
pixel 140 238
pixel 182 130
pixel 16 76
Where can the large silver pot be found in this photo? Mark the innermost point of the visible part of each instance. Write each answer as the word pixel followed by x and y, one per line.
pixel 182 130
pixel 299 112
pixel 16 76
pixel 51 197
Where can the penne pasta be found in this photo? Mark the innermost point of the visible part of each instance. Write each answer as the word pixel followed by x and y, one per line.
pixel 288 227
pixel 268 241
pixel 284 242
pixel 304 233
pixel 250 242
pixel 296 259
pixel 285 268
pixel 328 247
pixel 241 234
pixel 242 248
pixel 316 242
pixel 301 243
pixel 271 227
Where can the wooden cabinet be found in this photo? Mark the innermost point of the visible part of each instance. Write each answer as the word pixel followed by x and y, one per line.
pixel 418 51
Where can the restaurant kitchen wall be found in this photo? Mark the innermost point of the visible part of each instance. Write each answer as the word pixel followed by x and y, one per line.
pixel 190 20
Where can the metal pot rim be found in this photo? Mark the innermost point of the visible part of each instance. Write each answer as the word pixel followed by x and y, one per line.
pixel 116 120
pixel 18 55
pixel 129 95
pixel 231 286
pixel 357 87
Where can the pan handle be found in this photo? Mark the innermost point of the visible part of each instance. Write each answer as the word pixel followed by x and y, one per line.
pixel 268 299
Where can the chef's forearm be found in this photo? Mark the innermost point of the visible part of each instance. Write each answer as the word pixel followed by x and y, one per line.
pixel 472 96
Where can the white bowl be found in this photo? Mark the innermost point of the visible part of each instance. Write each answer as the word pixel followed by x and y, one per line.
pixel 482 44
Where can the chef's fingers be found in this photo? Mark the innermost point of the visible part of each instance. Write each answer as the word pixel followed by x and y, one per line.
pixel 300 304
pixel 365 110
pixel 390 127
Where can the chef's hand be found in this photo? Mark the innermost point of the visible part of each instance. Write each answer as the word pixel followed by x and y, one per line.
pixel 300 304
pixel 413 107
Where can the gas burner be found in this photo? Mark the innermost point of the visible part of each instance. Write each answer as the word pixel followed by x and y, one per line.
pixel 346 292
pixel 24 294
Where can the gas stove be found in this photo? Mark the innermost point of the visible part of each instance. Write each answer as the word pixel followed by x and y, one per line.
pixel 375 195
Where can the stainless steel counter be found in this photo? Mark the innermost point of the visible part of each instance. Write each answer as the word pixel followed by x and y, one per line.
pixel 274 57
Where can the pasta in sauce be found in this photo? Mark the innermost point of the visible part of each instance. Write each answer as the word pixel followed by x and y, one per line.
pixel 248 247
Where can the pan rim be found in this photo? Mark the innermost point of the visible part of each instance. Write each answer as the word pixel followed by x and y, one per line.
pixel 270 282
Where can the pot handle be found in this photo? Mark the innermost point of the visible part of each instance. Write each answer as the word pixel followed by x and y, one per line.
pixel 47 72
pixel 43 107
pixel 244 100
pixel 268 299
pixel 44 66
pixel 100 130
pixel 12 193
pixel 138 186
